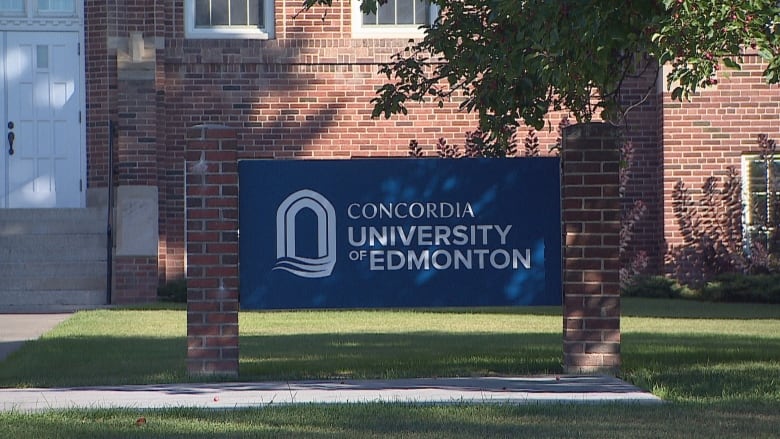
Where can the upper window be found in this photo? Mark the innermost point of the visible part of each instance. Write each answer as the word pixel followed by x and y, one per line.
pixel 56 6
pixel 394 19
pixel 16 6
pixel 47 7
pixel 229 18
pixel 761 199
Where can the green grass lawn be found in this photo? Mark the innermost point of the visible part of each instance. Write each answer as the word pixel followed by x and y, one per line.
pixel 718 366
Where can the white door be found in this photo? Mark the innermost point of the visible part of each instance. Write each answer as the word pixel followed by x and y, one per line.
pixel 42 144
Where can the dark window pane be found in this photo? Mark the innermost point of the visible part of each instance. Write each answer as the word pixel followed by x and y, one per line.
pixel 422 12
pixel 256 13
pixel 238 13
pixel 758 170
pixel 763 203
pixel 759 208
pixel 758 237
pixel 219 13
pixel 777 175
pixel 369 18
pixel 387 13
pixel 405 12
pixel 202 16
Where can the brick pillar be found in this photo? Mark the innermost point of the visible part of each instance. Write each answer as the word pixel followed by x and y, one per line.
pixel 212 250
pixel 591 218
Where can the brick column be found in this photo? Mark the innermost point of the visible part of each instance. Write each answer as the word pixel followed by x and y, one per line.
pixel 212 250
pixel 591 218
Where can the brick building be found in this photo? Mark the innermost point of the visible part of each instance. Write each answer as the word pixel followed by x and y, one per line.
pixel 136 74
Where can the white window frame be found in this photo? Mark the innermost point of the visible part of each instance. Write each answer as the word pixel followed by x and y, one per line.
pixel 232 32
pixel 359 30
pixel 748 229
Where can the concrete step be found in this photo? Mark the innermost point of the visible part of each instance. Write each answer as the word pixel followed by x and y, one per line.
pixel 52 247
pixel 31 298
pixel 54 283
pixel 52 259
pixel 47 309
pixel 52 221
pixel 52 269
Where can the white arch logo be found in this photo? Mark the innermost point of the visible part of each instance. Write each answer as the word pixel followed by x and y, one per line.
pixel 287 259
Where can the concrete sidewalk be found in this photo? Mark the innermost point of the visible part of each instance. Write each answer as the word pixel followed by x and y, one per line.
pixel 520 390
pixel 16 329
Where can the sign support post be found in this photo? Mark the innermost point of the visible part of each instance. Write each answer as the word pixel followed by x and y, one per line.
pixel 591 221
pixel 212 250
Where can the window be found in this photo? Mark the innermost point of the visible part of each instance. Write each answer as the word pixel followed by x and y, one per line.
pixel 14 6
pixel 56 6
pixel 761 199
pixel 42 7
pixel 229 19
pixel 394 19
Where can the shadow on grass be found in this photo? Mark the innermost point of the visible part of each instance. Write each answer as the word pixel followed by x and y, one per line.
pixel 675 367
pixel 405 355
pixel 413 421
pixel 696 367
pixel 88 360
pixel 85 361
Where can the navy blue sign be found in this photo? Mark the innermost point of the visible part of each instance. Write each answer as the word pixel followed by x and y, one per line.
pixel 399 233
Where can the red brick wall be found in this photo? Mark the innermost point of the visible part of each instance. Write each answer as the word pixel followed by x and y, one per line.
pixel 701 138
pixel 135 279
pixel 591 221
pixel 212 231
pixel 99 96
pixel 642 127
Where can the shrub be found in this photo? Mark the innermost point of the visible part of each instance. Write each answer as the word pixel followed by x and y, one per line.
pixel 735 287
pixel 659 287
pixel 174 291
pixel 632 263
pixel 728 287
pixel 712 230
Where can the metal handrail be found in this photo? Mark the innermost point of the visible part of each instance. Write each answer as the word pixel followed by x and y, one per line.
pixel 112 132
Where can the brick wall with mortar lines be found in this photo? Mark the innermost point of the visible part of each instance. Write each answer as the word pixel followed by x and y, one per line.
pixel 642 127
pixel 591 221
pixel 106 25
pixel 131 103
pixel 99 77
pixel 132 278
pixel 706 135
pixel 212 232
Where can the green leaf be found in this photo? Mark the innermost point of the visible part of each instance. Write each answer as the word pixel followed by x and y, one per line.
pixel 677 94
pixel 730 63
